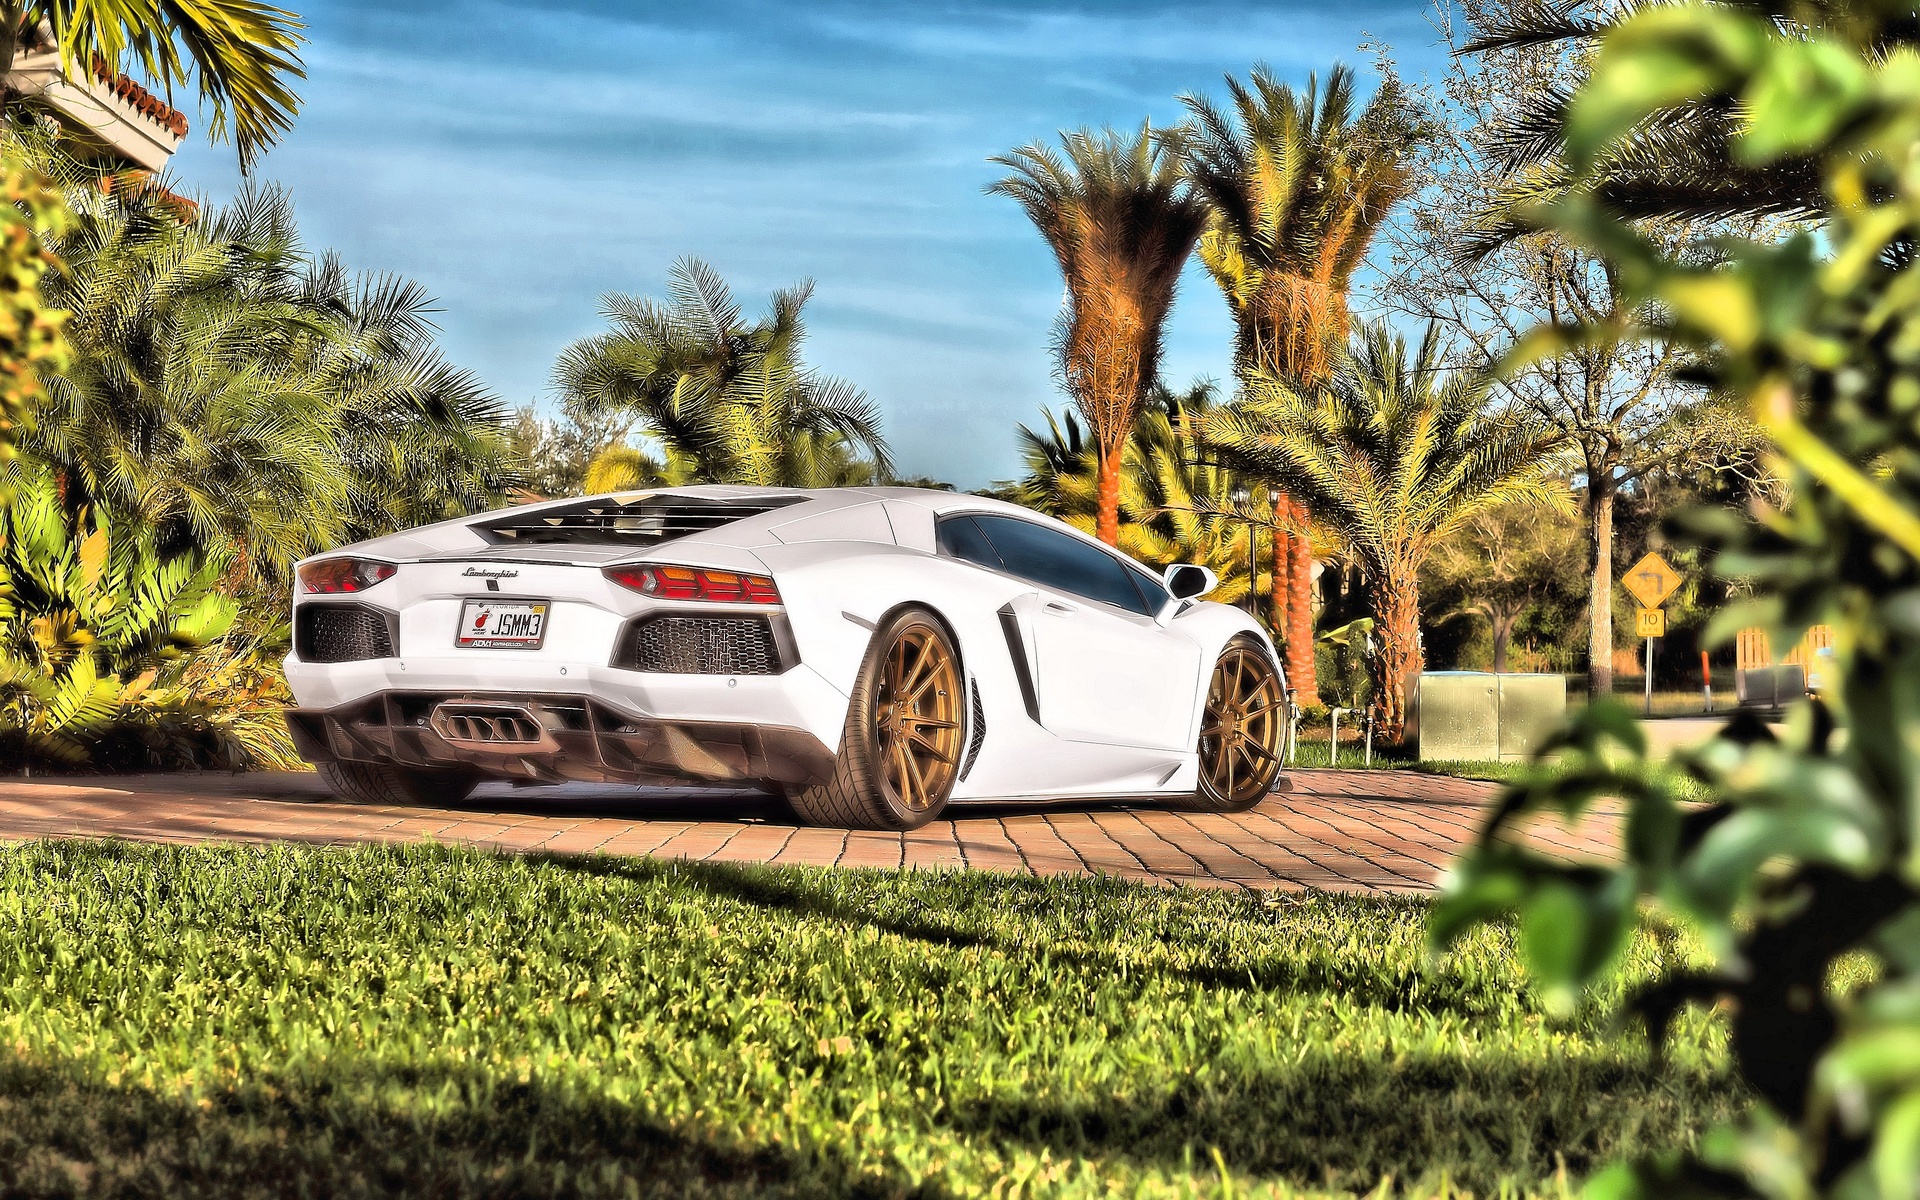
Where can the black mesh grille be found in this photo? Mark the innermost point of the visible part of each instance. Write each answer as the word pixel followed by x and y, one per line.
pixel 701 646
pixel 329 633
pixel 642 522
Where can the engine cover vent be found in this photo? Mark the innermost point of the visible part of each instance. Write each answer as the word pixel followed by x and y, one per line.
pixel 639 523
pixel 332 633
pixel 744 645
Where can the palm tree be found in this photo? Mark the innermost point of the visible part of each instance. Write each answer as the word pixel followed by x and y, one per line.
pixel 624 468
pixel 1121 220
pixel 245 399
pixel 240 53
pixel 1299 188
pixel 1679 165
pixel 1394 452
pixel 736 400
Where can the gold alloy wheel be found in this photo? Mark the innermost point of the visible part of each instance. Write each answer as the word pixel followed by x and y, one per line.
pixel 916 719
pixel 1240 737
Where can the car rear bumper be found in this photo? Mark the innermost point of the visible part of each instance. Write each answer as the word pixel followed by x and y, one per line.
pixel 554 737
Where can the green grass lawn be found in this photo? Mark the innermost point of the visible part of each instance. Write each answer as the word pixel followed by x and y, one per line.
pixel 320 1022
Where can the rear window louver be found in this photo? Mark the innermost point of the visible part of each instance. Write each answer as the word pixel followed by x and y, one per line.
pixel 647 521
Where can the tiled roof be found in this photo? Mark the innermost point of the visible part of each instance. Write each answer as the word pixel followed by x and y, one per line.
pixel 151 106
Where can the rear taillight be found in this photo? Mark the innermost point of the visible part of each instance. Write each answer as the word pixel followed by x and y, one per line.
pixel 343 574
pixel 696 583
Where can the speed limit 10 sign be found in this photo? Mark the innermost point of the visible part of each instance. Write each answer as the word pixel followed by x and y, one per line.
pixel 1650 623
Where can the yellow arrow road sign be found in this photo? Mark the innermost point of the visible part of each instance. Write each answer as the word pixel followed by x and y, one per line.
pixel 1651 580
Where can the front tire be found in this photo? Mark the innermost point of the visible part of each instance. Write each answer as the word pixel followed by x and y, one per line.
pixel 388 785
pixel 1240 735
pixel 900 751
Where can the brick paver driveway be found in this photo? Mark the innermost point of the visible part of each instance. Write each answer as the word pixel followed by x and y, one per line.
pixel 1341 830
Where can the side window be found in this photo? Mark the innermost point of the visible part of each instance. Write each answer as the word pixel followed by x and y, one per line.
pixel 1155 593
pixel 962 539
pixel 1061 561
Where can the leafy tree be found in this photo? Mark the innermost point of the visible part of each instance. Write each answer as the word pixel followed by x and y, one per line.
pixel 1507 563
pixel 1807 855
pixel 1619 399
pixel 558 451
pixel 1395 452
pixel 735 400
pixel 241 54
pixel 1299 187
pixel 1121 220
pixel 243 398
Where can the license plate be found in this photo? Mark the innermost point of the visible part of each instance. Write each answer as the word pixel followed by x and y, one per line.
pixel 503 624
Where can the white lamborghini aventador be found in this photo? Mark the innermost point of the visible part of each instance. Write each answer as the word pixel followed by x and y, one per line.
pixel 871 653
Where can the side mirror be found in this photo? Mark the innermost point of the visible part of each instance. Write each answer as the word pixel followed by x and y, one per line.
pixel 1186 580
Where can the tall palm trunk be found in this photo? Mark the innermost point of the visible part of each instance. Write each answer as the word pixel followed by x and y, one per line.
pixel 1600 617
pixel 1107 516
pixel 14 23
pixel 1502 640
pixel 1302 674
pixel 1280 600
pixel 1400 653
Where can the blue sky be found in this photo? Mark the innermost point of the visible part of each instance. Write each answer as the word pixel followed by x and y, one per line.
pixel 522 160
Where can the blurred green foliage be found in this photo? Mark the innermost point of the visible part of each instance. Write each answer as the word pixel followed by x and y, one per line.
pixel 1807 856
pixel 31 344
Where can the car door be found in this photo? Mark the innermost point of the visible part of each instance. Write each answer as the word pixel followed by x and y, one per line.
pixel 1103 669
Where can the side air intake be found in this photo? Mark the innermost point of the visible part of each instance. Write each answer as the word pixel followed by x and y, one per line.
pixel 978 736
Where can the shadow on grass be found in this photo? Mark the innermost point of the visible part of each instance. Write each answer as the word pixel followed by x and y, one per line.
pixel 1342 1111
pixel 374 1132
pixel 1339 1124
pixel 980 900
pixel 1344 1123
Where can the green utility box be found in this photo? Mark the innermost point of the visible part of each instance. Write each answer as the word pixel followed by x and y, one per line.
pixel 1478 716
pixel 1532 709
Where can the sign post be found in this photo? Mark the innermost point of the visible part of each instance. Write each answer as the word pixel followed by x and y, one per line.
pixel 1651 581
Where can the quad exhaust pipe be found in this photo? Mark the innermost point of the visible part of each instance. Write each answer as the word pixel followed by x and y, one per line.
pixel 492 728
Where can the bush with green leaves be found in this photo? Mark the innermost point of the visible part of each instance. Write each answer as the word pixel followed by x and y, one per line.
pixel 30 335
pixel 96 632
pixel 1806 861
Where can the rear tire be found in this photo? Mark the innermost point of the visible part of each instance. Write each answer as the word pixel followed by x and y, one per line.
pixel 900 751
pixel 1241 732
pixel 387 784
